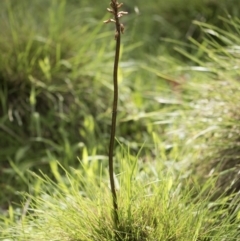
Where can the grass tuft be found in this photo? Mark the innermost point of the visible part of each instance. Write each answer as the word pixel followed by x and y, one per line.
pixel 163 207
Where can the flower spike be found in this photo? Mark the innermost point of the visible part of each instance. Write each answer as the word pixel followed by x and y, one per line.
pixel 117 14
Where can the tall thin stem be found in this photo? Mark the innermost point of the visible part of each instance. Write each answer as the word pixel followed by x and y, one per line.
pixel 119 29
pixel 114 120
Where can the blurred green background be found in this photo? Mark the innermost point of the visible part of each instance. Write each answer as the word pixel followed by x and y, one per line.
pixel 56 60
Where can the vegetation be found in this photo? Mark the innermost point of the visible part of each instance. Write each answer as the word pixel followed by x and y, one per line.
pixel 177 153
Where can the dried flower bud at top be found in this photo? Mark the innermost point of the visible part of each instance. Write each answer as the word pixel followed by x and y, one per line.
pixel 109 21
pixel 116 35
pixel 114 10
pixel 120 14
pixel 123 12
pixel 110 10
pixel 119 5
pixel 122 28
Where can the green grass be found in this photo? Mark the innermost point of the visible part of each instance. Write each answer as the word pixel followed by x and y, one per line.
pixel 154 204
pixel 177 156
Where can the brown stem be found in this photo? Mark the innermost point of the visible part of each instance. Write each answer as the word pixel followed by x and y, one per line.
pixel 114 115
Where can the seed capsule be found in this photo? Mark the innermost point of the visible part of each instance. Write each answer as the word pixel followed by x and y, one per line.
pixel 122 28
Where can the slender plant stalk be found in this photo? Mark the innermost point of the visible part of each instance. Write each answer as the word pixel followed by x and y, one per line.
pixel 119 30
